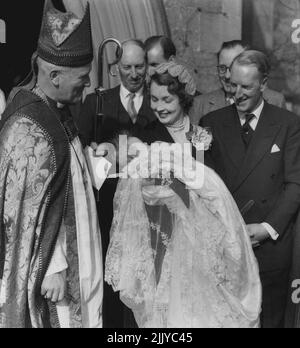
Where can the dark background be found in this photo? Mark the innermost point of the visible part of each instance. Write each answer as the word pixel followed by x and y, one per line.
pixel 23 21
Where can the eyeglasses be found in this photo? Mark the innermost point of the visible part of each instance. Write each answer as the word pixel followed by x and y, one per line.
pixel 222 69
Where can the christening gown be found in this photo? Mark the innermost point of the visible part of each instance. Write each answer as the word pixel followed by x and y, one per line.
pixel 179 265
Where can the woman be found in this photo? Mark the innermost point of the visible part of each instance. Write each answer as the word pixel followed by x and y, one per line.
pixel 172 92
pixel 179 252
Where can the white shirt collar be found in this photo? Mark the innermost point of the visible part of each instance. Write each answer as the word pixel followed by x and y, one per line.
pixel 124 93
pixel 257 112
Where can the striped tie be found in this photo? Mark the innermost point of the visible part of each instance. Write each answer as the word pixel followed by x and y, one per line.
pixel 247 131
pixel 131 108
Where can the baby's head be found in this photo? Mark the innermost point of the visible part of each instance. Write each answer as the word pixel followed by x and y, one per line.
pixel 127 148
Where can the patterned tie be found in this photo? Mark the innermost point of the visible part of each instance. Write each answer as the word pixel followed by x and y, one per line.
pixel 247 131
pixel 131 108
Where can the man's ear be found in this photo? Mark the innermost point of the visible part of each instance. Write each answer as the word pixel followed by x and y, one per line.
pixel 55 77
pixel 264 83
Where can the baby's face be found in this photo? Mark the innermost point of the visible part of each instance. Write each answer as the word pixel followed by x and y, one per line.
pixel 134 146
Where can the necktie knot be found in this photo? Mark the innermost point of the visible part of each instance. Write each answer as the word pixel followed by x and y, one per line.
pixel 246 127
pixel 131 96
pixel 249 117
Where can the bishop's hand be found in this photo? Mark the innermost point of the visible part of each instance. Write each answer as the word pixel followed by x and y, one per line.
pixel 53 287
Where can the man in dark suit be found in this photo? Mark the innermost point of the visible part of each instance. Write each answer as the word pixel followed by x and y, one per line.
pixel 256 151
pixel 125 107
pixel 222 97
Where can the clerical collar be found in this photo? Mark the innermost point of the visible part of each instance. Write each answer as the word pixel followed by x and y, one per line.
pixel 124 93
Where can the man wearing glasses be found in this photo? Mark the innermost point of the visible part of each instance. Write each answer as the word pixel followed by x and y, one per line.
pixel 222 97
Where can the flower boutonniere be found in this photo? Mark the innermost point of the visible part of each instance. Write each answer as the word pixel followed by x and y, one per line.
pixel 198 136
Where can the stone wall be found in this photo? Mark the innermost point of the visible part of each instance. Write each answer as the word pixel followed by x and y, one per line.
pixel 198 28
pixel 286 53
pixel 268 26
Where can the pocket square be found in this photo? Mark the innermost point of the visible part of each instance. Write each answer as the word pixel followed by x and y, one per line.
pixel 275 149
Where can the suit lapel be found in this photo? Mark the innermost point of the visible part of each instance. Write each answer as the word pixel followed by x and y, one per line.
pixel 111 102
pixel 230 134
pixel 145 115
pixel 162 133
pixel 261 143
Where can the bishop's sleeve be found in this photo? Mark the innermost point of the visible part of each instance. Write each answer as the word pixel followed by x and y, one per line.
pixel 26 170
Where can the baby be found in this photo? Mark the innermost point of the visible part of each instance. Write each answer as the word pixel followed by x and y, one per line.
pixel 121 150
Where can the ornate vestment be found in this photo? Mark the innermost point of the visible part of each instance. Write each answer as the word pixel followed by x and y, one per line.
pixel 36 203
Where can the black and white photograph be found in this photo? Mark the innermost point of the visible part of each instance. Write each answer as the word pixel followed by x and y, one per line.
pixel 150 166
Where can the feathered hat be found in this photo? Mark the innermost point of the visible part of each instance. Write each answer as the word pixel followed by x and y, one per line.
pixel 65 40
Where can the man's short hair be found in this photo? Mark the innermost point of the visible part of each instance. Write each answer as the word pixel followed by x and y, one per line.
pixel 255 58
pixel 136 42
pixel 165 42
pixel 233 44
